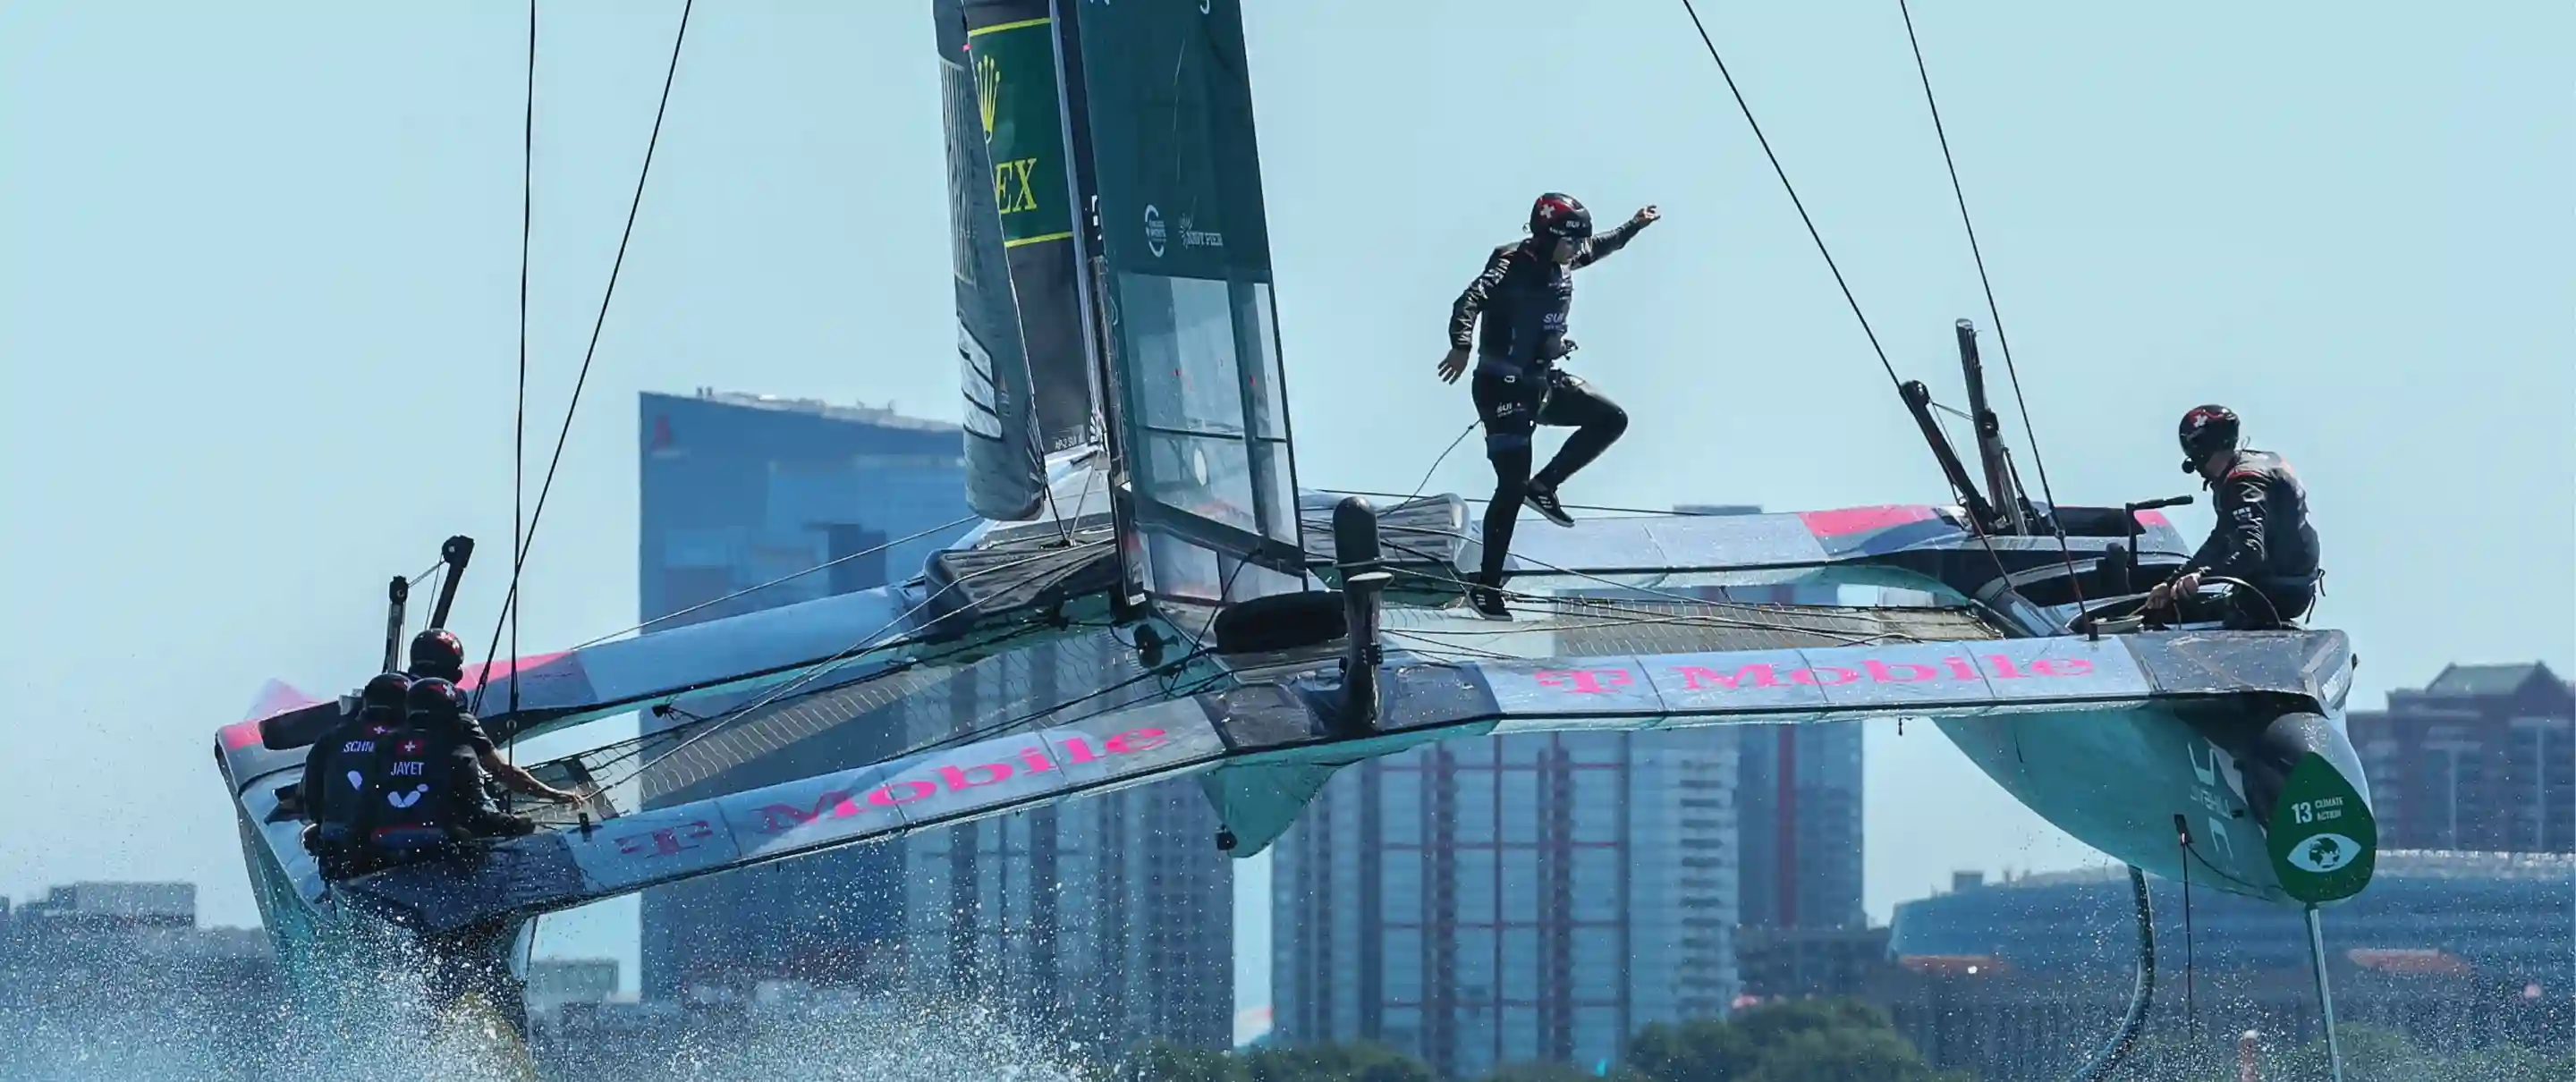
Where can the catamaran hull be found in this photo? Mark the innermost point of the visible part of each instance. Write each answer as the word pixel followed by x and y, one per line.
pixel 2109 739
pixel 352 964
pixel 2160 788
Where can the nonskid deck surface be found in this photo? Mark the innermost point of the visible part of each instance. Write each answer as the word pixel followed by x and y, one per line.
pixel 1033 566
pixel 749 740
pixel 1575 624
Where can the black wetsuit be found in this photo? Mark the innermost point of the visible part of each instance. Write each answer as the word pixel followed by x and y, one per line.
pixel 1524 299
pixel 472 744
pixel 469 731
pixel 331 799
pixel 423 796
pixel 2263 535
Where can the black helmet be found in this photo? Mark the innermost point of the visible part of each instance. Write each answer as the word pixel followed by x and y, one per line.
pixel 385 691
pixel 438 652
pixel 2204 431
pixel 1557 216
pixel 435 697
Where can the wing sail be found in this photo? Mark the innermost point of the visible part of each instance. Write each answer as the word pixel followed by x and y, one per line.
pixel 1020 339
pixel 1013 49
pixel 1180 269
pixel 1004 474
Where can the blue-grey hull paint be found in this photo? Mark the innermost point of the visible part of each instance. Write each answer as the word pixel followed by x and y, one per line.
pixel 2107 739
pixel 2116 781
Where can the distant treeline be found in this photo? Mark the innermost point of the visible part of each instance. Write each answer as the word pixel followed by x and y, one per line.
pixel 1822 1040
pixel 1841 1040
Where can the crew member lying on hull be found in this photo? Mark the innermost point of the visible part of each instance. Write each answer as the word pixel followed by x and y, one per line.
pixel 419 790
pixel 437 653
pixel 2262 538
pixel 1523 294
pixel 335 772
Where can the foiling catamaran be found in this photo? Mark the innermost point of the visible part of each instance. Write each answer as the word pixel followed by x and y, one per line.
pixel 1128 447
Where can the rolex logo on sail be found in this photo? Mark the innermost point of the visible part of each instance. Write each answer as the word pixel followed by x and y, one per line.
pixel 1012 66
pixel 1014 190
pixel 988 89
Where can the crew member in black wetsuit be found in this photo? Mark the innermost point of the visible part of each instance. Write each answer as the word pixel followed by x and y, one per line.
pixel 421 796
pixel 2263 536
pixel 335 772
pixel 1524 294
pixel 437 653
pixel 437 712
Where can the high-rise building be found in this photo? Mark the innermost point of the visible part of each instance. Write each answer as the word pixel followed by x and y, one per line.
pixel 1099 922
pixel 1798 799
pixel 1535 897
pixel 1797 963
pixel 739 490
pixel 2483 758
pixel 1104 920
pixel 1798 808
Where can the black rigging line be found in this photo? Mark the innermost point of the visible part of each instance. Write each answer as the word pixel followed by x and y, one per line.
pixel 788 577
pixel 1793 197
pixel 2003 575
pixel 1435 463
pixel 865 645
pixel 2005 343
pixel 519 427
pixel 528 540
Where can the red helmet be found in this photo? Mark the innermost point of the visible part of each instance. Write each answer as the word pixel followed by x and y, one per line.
pixel 2204 431
pixel 385 691
pixel 438 652
pixel 436 698
pixel 1558 216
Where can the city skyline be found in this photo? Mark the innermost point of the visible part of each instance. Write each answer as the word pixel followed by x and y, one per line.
pixel 296 360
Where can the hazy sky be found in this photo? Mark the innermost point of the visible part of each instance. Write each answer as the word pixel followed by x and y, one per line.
pixel 258 283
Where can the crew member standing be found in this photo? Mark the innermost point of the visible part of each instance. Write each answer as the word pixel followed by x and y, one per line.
pixel 1523 295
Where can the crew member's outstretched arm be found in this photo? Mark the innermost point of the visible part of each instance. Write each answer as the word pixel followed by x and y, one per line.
pixel 466 809
pixel 1615 239
pixel 518 779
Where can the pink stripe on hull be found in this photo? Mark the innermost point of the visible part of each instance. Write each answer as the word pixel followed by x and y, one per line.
pixel 1852 520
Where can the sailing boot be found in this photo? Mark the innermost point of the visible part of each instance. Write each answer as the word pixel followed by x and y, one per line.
pixel 1542 497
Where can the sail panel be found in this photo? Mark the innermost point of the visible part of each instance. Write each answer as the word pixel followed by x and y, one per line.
pixel 1194 372
pixel 1004 473
pixel 1011 47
